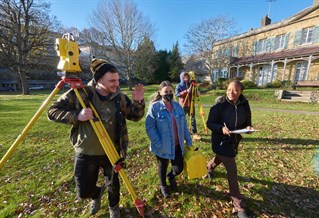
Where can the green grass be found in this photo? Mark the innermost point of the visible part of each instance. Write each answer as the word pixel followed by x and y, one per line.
pixel 276 166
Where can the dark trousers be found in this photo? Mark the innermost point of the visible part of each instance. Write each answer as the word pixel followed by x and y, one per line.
pixel 193 120
pixel 86 171
pixel 177 166
pixel 231 168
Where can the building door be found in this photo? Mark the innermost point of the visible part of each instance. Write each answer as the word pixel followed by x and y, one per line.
pixel 301 70
pixel 215 74
pixel 265 75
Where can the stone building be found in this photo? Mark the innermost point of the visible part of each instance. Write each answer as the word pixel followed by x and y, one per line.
pixel 286 51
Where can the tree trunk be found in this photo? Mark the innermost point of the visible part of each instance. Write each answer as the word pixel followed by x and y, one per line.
pixel 210 75
pixel 209 66
pixel 23 82
pixel 129 84
pixel 129 81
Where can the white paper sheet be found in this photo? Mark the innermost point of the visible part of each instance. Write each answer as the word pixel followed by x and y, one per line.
pixel 240 131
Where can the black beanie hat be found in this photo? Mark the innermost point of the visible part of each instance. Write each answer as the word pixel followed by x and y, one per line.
pixel 99 67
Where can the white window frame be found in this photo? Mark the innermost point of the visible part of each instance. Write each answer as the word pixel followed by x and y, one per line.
pixel 306 36
pixel 224 73
pixel 301 71
pixel 261 46
pixel 235 51
pixel 280 41
pixel 215 74
pixel 264 74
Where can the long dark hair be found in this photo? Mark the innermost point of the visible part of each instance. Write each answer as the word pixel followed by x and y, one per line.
pixel 157 96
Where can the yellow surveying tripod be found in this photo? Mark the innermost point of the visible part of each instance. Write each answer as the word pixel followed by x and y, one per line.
pixel 68 51
pixel 194 99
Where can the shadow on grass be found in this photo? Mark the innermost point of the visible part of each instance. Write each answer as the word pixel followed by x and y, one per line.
pixel 149 212
pixel 290 141
pixel 162 206
pixel 278 199
pixel 275 199
pixel 274 141
pixel 206 140
pixel 282 199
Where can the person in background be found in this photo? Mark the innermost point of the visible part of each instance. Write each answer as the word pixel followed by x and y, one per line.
pixel 231 112
pixel 184 93
pixel 113 107
pixel 166 127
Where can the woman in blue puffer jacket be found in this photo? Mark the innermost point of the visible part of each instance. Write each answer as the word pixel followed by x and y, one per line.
pixel 166 127
pixel 231 112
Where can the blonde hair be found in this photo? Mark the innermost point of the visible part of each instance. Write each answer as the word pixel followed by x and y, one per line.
pixel 157 96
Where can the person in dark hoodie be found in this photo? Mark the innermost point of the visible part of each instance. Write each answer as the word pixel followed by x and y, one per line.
pixel 113 107
pixel 231 112
pixel 184 93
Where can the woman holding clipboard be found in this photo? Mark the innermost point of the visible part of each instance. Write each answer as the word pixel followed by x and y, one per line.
pixel 231 112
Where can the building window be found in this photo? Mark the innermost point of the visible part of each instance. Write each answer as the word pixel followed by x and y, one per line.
pixel 266 74
pixel 301 71
pixel 240 74
pixel 227 52
pixel 224 73
pixel 306 35
pixel 261 46
pixel 235 51
pixel 215 73
pixel 280 42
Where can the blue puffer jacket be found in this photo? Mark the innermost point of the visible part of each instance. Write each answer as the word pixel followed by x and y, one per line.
pixel 235 116
pixel 181 91
pixel 160 130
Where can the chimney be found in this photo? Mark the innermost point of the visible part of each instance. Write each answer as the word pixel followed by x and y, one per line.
pixel 315 2
pixel 266 20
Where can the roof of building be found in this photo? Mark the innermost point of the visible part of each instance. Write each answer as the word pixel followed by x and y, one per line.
pixel 269 27
pixel 291 53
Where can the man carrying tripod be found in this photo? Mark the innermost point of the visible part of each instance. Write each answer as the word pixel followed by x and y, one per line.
pixel 114 108
pixel 184 91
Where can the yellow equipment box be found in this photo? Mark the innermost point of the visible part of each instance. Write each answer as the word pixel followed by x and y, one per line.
pixel 194 163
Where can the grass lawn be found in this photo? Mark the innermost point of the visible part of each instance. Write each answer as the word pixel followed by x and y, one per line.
pixel 278 166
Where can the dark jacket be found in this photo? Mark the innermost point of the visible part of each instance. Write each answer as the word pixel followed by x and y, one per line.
pixel 67 108
pixel 224 112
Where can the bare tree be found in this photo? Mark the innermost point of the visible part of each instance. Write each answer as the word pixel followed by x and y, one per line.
pixel 95 40
pixel 123 28
pixel 200 38
pixel 24 34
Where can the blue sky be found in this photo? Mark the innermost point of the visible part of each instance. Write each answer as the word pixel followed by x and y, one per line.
pixel 172 18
